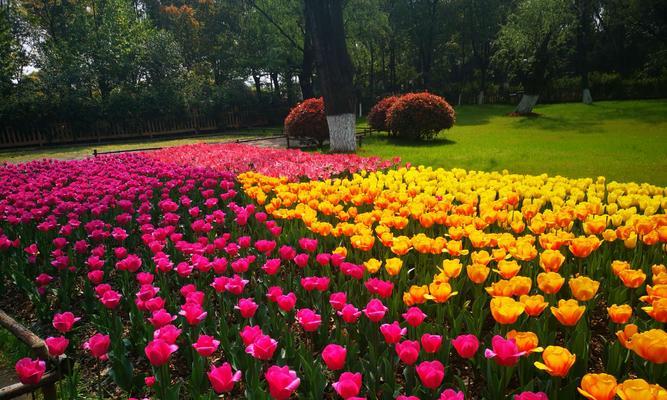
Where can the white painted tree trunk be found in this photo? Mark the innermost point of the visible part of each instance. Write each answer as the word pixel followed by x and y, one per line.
pixel 527 103
pixel 586 96
pixel 480 97
pixel 342 138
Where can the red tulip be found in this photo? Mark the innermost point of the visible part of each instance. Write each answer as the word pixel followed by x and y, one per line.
pixel 98 346
pixel 247 307
pixel 350 313
pixel 29 371
pixel 414 316
pixel 63 322
pixel 408 351
pixel 431 373
pixel 431 343
pixel 262 347
pixel 250 333
pixel 158 352
pixel 222 379
pixel 375 310
pixel 309 320
pixel 56 345
pixel 392 332
pixel 282 382
pixel 348 385
pixel 334 356
pixel 206 345
pixel 466 345
pixel 451 394
pixel 287 302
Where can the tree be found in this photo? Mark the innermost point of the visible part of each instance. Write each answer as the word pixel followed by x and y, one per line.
pixel 335 71
pixel 530 42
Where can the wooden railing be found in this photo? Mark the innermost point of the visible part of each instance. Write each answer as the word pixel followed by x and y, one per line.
pixel 48 383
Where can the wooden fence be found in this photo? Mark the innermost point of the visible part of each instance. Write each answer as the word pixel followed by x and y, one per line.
pixel 64 133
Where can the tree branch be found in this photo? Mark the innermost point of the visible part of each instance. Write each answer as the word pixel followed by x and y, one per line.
pixel 275 24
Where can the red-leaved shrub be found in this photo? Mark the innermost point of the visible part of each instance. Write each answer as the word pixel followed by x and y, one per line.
pixel 420 116
pixel 307 119
pixel 377 117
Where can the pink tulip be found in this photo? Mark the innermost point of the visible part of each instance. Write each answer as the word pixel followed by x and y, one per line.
pixel 29 371
pixel 334 356
pixel 414 316
pixel 193 313
pixel 169 333
pixel 273 293
pixel 56 345
pixel 287 302
pixel 287 253
pixel 408 351
pixel 262 348
pixel 466 345
pixel 247 307
pixel 375 310
pixel 250 333
pixel 392 332
pixel 348 385
pixel 338 300
pixel 110 299
pixel 431 373
pixel 504 352
pixel 350 313
pixel 531 396
pixel 301 260
pixel 282 382
pixel 98 346
pixel 222 379
pixel 206 345
pixel 63 322
pixel 403 397
pixel 431 343
pixel 161 318
pixel 309 245
pixel 323 259
pixel 158 352
pixel 451 394
pixel 271 266
pixel 377 286
pixel 309 320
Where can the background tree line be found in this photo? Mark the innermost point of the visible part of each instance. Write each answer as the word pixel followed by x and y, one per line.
pixel 78 61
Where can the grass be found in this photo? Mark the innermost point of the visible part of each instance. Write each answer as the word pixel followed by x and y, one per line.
pixel 621 140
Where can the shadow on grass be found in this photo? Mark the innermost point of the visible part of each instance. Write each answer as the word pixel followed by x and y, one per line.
pixel 480 115
pixel 396 141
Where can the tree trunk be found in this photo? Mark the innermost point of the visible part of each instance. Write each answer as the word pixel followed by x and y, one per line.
pixel 526 104
pixel 276 87
pixel 480 97
pixel 335 71
pixel 306 75
pixel 258 84
pixel 583 34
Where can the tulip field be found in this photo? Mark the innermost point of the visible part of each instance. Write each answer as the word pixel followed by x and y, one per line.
pixel 234 272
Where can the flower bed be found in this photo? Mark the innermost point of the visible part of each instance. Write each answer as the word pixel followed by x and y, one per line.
pixel 289 163
pixel 174 281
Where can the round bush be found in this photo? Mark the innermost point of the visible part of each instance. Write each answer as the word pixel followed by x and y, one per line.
pixel 307 119
pixel 420 116
pixel 377 117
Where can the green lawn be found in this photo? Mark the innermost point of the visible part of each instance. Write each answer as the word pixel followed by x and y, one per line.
pixel 622 140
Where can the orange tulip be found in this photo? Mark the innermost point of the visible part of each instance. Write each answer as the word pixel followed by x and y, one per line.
pixel 455 248
pixel 451 268
pixel 506 310
pixel 525 341
pixel 477 273
pixel 583 288
pixel 557 361
pixel 521 285
pixel 415 295
pixel 401 245
pixel 632 278
pixel 534 304
pixel 502 288
pixel 551 260
pixel 598 387
pixel 617 266
pixel 568 312
pixel 639 389
pixel 609 235
pixel 583 246
pixel 653 293
pixel 619 314
pixel 625 336
pixel 550 282
pixel 481 257
pixel 650 345
pixel 523 251
pixel 393 266
pixel 440 292
pixel 373 265
pixel 657 310
pixel 508 268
